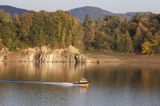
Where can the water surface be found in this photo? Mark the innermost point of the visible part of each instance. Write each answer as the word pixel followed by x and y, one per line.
pixel 111 84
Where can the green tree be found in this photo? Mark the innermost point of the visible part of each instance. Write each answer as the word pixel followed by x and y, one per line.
pixel 89 31
pixel 7 31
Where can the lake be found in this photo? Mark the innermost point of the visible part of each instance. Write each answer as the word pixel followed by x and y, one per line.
pixel 111 84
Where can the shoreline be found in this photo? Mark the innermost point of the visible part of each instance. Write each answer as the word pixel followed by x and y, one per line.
pixel 104 58
pixel 71 54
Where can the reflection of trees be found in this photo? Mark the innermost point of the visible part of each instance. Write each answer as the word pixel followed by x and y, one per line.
pixel 126 75
pixel 2 69
pixel 17 71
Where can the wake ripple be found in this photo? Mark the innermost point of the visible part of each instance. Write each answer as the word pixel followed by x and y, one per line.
pixel 38 82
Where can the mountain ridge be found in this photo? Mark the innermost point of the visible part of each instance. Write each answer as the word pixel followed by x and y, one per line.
pixel 14 10
pixel 94 12
pixel 80 12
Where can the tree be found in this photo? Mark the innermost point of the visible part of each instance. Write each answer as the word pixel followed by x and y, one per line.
pixel 7 31
pixel 102 42
pixel 151 47
pixel 89 31
pixel 146 48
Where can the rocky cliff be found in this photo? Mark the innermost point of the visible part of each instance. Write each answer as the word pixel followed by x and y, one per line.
pixel 44 54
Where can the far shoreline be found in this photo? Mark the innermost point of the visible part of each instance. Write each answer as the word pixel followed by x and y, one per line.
pixel 123 58
pixel 105 58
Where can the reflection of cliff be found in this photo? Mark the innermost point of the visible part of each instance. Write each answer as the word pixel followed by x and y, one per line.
pixel 60 71
pixel 40 72
pixel 44 54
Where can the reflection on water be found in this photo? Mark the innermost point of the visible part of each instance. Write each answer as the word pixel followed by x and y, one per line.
pixel 111 84
pixel 141 75
pixel 50 72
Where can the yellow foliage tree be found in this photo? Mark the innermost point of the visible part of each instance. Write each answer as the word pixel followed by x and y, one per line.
pixel 146 48
pixel 151 47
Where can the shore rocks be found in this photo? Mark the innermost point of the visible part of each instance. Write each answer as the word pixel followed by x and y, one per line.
pixel 3 54
pixel 29 55
pixel 45 54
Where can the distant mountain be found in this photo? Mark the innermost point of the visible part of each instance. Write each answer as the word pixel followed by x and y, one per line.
pixel 13 10
pixel 127 15
pixel 94 12
pixel 80 13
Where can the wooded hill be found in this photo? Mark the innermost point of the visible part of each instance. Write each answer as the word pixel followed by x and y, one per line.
pixel 60 29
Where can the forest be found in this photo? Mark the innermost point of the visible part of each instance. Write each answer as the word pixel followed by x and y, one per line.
pixel 59 29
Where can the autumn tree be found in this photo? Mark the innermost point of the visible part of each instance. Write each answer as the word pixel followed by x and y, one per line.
pixel 7 31
pixel 89 31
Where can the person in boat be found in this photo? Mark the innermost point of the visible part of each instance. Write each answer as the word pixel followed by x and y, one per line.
pixel 83 83
pixel 83 80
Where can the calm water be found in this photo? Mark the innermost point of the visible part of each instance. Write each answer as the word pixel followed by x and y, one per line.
pixel 111 85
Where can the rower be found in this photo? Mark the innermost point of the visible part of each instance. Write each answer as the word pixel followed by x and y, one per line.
pixel 83 80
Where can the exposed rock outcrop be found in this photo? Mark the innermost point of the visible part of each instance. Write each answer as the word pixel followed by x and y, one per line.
pixel 46 54
pixel 70 54
pixel 3 54
pixel 29 55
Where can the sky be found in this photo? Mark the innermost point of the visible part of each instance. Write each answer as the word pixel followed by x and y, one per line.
pixel 116 6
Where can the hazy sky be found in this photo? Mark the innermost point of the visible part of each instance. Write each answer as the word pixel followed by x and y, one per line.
pixel 110 5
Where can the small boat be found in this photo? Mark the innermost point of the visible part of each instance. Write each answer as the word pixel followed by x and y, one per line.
pixel 83 82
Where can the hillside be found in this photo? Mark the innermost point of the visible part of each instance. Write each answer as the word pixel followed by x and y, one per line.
pixel 13 10
pixel 94 12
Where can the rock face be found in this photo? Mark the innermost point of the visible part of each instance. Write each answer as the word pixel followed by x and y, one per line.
pixel 70 54
pixel 29 55
pixel 45 54
pixel 3 54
